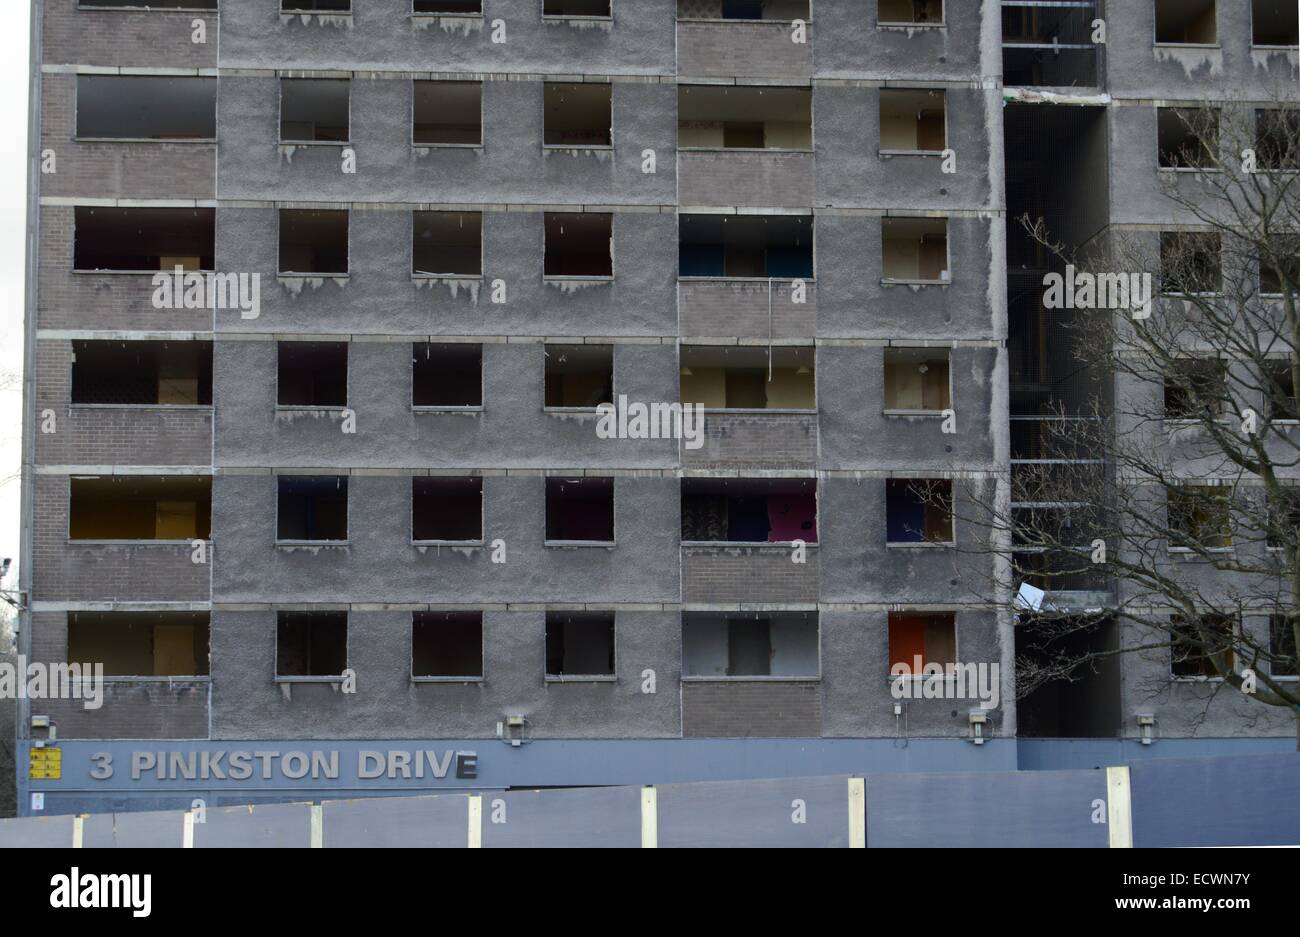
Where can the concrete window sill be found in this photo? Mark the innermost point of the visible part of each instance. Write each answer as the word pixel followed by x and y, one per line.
pixel 1189 170
pixel 1274 47
pixel 295 144
pixel 782 24
pixel 773 280
pixel 747 149
pixel 577 280
pixel 290 545
pixel 752 678
pixel 294 277
pixel 1214 295
pixel 1178 679
pixel 922 545
pixel 1189 553
pixel 580 148
pixel 931 414
pixel 134 273
pixel 445 16
pixel 284 12
pixel 897 26
pixel 152 681
pixel 127 9
pixel 922 153
pixel 204 407
pixel 450 277
pixel 902 281
pixel 416 144
pixel 133 543
pixel 561 411
pixel 739 544
pixel 290 408
pixel 451 410
pixel 574 18
pixel 462 544
pixel 450 680
pixel 1187 45
pixel 580 544
pixel 756 411
pixel 581 678
pixel 187 141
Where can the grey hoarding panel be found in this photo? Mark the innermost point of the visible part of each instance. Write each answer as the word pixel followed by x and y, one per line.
pixel 134 830
pixel 599 817
pixel 1042 808
pixel 1253 800
pixel 36 833
pixel 269 826
pixel 793 812
pixel 432 822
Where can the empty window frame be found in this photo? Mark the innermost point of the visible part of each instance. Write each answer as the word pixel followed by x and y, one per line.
pixel 313 242
pixel 140 507
pixel 1282 647
pixel 137 107
pixel 777 510
pixel 447 645
pixel 911 12
pixel 572 8
pixel 311 644
pixel 578 116
pixel 447 243
pixel 1277 139
pixel 914 250
pixel 1279 390
pixel 927 639
pixel 314 110
pixel 448 7
pixel 580 510
pixel 578 376
pixel 1187 138
pixel 1197 645
pixel 579 644
pixel 448 113
pixel 727 377
pixel 1196 389
pixel 771 644
pixel 108 373
pixel 1284 520
pixel 1274 23
pixel 913 121
pixel 1279 267
pixel 1186 22
pixel 579 245
pixel 446 510
pixel 144 240
pixel 918 510
pixel 1200 517
pixel 746 246
pixel 312 374
pixel 140 644
pixel 312 508
pixel 149 4
pixel 446 376
pixel 1191 262
pixel 718 117
pixel 315 6
pixel 917 380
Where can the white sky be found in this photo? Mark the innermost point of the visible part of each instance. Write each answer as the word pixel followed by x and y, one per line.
pixel 15 36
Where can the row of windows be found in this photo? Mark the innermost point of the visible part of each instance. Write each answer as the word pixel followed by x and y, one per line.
pixel 581 116
pixel 449 645
pixel 450 376
pixel 450 244
pixel 449 510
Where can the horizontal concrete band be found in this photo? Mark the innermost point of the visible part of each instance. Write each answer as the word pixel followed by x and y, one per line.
pixel 64 335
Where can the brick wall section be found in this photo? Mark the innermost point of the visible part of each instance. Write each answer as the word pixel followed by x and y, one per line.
pixel 106 572
pixel 747 574
pixel 755 440
pixel 767 709
pixel 758 180
pixel 109 436
pixel 158 38
pixel 740 309
pixel 69 300
pixel 744 50
pixel 130 710
pixel 117 170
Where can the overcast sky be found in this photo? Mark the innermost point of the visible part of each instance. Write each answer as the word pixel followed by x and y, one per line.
pixel 15 36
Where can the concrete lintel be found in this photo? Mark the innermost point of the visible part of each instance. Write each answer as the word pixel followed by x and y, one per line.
pixel 124 470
